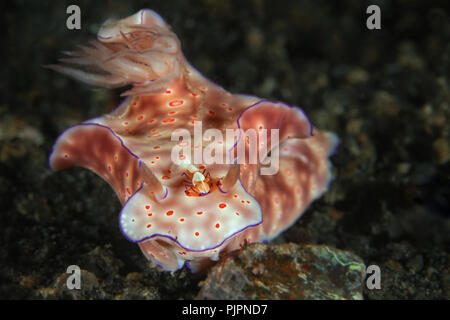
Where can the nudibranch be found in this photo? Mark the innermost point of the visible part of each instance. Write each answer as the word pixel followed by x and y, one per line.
pixel 180 205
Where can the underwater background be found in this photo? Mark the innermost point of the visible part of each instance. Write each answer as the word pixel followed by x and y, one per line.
pixel 385 93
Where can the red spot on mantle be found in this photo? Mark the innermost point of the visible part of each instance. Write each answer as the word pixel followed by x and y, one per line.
pixel 176 103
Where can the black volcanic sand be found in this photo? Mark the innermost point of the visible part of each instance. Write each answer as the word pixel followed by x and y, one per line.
pixel 385 93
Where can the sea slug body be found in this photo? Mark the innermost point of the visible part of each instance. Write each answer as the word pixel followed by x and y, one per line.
pixel 186 211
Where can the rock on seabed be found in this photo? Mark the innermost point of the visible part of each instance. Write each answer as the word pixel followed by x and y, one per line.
pixel 286 271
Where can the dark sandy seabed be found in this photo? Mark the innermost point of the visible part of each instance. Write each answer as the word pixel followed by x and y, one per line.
pixel 385 93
